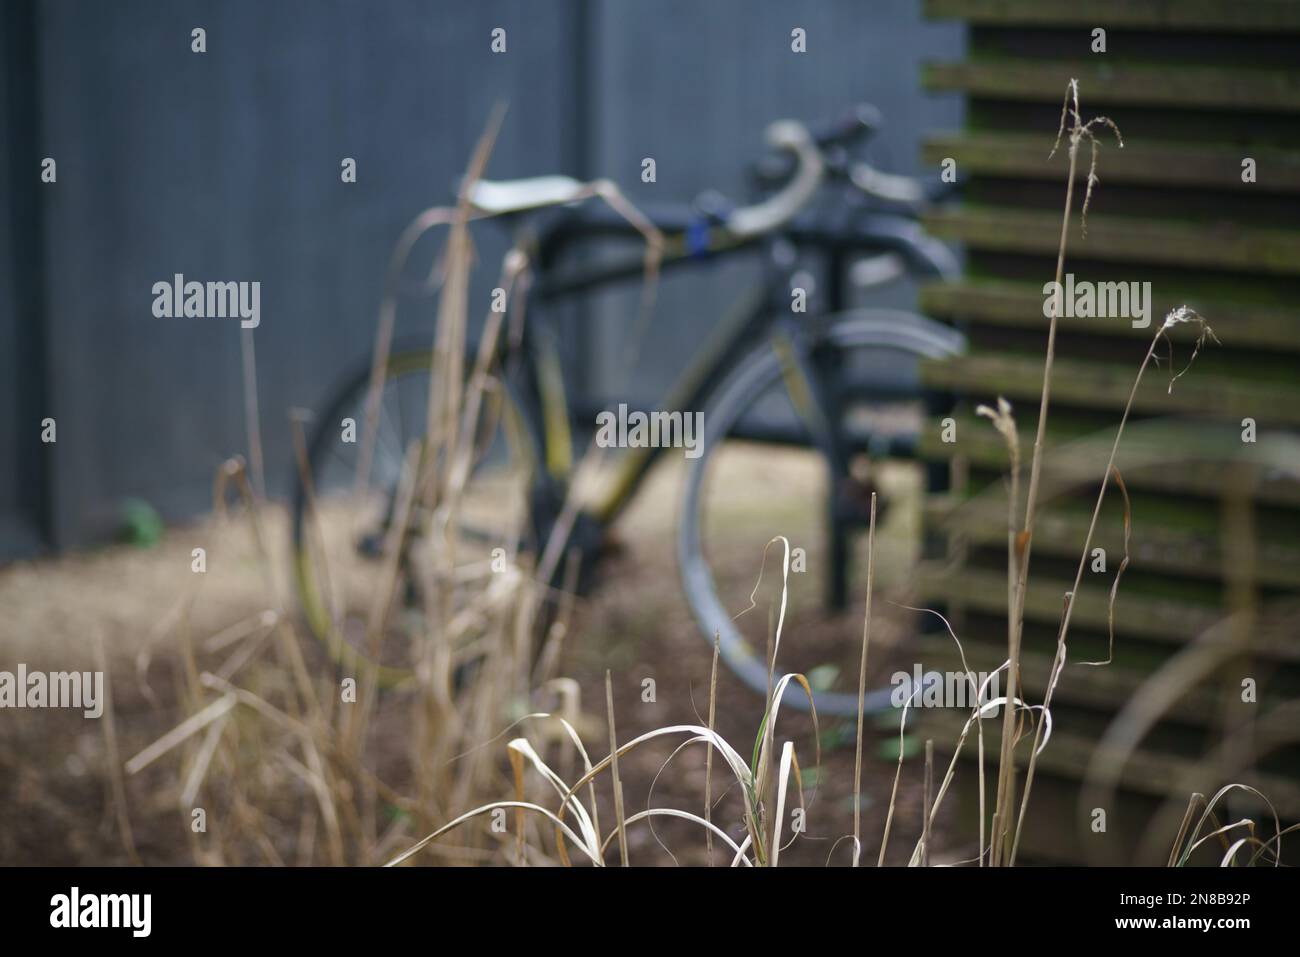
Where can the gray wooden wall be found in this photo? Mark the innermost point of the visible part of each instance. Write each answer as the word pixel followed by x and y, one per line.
pixel 225 166
pixel 693 84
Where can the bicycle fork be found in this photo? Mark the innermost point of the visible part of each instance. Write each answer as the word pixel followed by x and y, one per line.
pixel 817 406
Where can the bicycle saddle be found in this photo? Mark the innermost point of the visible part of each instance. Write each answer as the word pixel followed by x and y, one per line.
pixel 514 195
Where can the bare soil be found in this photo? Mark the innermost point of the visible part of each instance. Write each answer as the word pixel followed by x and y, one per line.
pixel 146 604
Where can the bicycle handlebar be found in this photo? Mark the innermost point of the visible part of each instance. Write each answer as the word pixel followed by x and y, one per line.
pixel 863 120
pixel 831 137
pixel 830 140
pixel 772 213
pixel 890 187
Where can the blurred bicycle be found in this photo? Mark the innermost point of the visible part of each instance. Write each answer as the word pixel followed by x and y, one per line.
pixel 838 381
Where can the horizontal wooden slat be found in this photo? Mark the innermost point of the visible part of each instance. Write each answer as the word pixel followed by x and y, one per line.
pixel 1216 245
pixel 1141 616
pixel 983 448
pixel 1156 545
pixel 1107 688
pixel 1241 16
pixel 1136 615
pixel 1020 305
pixel 1158 164
pixel 1099 385
pixel 1147 771
pixel 1182 85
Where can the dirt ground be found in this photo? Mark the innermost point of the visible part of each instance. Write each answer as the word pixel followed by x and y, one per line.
pixel 55 789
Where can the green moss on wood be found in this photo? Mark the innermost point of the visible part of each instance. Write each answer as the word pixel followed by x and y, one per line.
pixel 1020 305
pixel 1239 16
pixel 1183 85
pixel 1164 165
pixel 1222 245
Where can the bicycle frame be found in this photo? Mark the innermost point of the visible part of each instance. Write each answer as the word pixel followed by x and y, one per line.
pixel 760 311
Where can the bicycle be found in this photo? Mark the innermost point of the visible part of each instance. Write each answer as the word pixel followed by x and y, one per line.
pixel 838 368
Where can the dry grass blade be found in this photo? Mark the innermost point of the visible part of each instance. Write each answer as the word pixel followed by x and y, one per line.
pixel 1275 839
pixel 711 829
pixel 613 764
pixel 708 754
pixel 252 417
pixel 983 704
pixel 734 761
pixel 655 782
pixel 1005 424
pixel 927 802
pixel 116 785
pixel 1003 841
pixel 517 770
pixel 202 761
pixel 1221 834
pixel 182 732
pixel 1119 572
pixel 862 686
pixel 1194 840
pixel 783 780
pixel 316 774
pixel 1197 799
pixel 523 748
pixel 1176 317
pixel 769 726
pixel 898 773
pixel 592 853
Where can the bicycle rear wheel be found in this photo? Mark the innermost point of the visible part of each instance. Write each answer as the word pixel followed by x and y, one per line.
pixel 343 541
pixel 739 495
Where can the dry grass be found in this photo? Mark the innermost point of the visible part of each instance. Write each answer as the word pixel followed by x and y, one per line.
pixel 289 764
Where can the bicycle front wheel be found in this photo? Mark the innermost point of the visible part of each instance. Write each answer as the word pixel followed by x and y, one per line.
pixel 740 493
